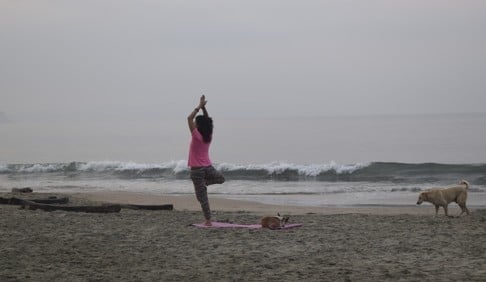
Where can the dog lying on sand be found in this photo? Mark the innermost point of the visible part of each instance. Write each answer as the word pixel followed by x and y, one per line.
pixel 442 197
pixel 274 222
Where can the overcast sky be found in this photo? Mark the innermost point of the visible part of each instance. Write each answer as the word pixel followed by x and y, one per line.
pixel 141 59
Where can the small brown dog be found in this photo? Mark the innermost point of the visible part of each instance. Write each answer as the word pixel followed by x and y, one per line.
pixel 442 197
pixel 274 222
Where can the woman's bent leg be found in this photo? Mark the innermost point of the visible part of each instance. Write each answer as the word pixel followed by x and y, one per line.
pixel 213 176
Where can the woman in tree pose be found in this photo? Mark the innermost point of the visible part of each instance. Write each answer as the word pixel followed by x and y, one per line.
pixel 202 171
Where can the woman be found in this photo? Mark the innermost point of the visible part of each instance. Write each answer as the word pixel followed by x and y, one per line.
pixel 202 171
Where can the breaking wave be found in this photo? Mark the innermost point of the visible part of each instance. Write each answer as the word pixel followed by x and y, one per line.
pixel 277 171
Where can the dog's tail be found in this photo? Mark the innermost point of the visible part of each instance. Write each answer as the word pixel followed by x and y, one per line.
pixel 464 182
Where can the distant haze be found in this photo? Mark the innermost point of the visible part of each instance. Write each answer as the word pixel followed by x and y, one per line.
pixel 298 81
pixel 3 118
pixel 146 60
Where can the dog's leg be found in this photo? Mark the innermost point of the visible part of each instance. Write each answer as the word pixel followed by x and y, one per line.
pixel 445 210
pixel 464 209
pixel 436 210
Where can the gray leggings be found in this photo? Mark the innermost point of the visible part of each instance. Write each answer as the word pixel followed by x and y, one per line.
pixel 202 177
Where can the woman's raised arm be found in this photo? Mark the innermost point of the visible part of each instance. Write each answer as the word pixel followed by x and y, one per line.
pixel 192 115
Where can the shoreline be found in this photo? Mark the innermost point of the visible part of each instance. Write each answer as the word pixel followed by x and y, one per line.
pixel 185 202
pixel 221 204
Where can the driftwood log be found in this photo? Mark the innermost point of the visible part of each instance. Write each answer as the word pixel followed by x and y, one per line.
pixel 29 205
pixel 11 201
pixel 168 207
pixel 49 204
pixel 50 200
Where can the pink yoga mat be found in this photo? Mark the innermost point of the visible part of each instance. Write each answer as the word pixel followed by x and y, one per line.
pixel 217 224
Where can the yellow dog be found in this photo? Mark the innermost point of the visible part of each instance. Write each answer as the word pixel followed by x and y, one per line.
pixel 441 197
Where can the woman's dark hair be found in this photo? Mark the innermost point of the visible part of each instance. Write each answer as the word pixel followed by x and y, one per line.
pixel 205 126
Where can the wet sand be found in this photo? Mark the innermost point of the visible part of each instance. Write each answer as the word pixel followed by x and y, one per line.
pixel 342 244
pixel 219 203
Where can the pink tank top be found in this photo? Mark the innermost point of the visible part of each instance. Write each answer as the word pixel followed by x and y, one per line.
pixel 198 151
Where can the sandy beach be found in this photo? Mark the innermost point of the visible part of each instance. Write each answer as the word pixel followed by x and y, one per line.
pixel 334 244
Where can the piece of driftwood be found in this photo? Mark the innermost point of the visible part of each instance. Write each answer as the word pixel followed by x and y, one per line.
pixel 168 207
pixel 29 205
pixel 50 200
pixel 22 190
pixel 11 201
pixel 49 205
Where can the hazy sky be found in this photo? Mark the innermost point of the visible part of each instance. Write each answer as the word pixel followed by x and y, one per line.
pixel 130 60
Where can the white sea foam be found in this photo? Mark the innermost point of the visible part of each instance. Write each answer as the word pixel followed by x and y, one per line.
pixel 178 166
pixel 39 168
pixel 101 166
pixel 306 170
pixel 4 168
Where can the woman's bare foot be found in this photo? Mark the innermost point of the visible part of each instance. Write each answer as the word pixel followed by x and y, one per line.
pixel 208 223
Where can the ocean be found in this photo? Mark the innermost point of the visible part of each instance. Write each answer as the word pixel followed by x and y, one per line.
pixel 323 161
